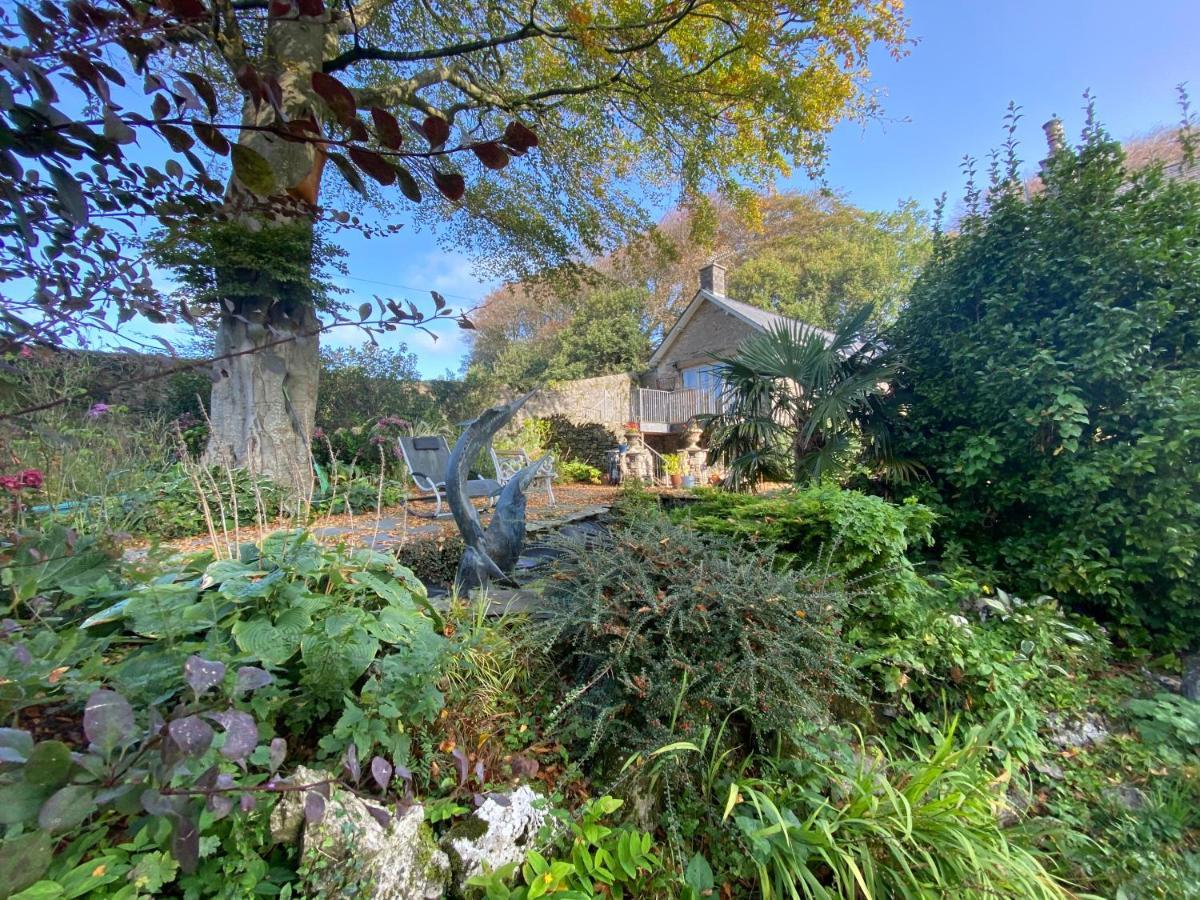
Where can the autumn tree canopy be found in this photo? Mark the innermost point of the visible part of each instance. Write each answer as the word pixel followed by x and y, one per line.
pixel 530 133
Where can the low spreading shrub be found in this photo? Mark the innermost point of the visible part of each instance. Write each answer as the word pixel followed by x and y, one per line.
pixel 660 632
pixel 578 472
pixel 601 861
pixel 864 540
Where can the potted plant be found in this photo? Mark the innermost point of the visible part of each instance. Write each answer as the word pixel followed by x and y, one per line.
pixel 689 481
pixel 674 466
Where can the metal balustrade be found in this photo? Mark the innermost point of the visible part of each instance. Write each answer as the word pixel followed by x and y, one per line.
pixel 673 407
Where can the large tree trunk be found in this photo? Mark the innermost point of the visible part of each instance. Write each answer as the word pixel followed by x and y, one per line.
pixel 264 400
pixel 265 395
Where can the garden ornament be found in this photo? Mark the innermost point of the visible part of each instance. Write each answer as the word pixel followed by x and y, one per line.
pixel 492 552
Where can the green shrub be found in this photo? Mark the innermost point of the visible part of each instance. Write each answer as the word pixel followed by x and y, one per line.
pixel 976 653
pixel 170 506
pixel 433 560
pixel 601 861
pixel 1052 386
pixel 872 824
pixel 569 442
pixel 862 539
pixel 661 632
pixel 578 472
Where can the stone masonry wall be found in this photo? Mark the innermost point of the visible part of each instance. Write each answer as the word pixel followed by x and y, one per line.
pixel 604 399
pixel 711 333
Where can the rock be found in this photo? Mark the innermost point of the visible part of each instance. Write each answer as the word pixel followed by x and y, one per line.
pixel 351 854
pixel 500 832
pixel 1015 804
pixel 1049 769
pixel 1128 796
pixel 1087 730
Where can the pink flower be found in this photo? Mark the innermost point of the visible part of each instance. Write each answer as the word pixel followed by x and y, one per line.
pixel 26 353
pixel 32 478
pixel 97 410
pixel 11 483
pixel 318 433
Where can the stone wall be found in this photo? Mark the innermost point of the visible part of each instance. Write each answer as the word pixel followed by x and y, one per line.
pixel 604 399
pixel 711 333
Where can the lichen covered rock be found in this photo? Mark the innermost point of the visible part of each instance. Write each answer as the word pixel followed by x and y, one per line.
pixel 348 850
pixel 501 831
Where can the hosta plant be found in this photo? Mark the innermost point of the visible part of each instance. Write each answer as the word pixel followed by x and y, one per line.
pixel 318 616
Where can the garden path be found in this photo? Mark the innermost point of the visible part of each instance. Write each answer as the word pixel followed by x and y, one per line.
pixel 396 525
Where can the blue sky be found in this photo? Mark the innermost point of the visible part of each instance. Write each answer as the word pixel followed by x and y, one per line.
pixel 945 99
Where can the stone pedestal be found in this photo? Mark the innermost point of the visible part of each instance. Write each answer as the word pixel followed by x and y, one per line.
pixel 637 462
pixel 696 456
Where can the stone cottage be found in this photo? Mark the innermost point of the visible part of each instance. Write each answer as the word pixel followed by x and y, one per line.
pixel 680 382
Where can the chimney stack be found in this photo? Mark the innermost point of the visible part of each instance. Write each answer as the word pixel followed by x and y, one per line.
pixel 712 279
pixel 1055 138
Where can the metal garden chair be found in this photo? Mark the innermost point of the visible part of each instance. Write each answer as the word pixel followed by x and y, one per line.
pixel 428 460
pixel 509 462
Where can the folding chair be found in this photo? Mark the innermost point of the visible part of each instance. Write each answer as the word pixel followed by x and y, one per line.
pixel 428 460
pixel 509 462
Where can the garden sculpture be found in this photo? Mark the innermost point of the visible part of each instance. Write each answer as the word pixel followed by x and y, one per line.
pixel 490 553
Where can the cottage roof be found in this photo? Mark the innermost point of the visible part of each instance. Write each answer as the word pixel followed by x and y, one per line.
pixel 758 319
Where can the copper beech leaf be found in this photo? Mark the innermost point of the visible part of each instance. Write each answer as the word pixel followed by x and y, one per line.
pixel 374 165
pixel 519 138
pixel 408 184
pixel 204 90
pixel 211 138
pixel 349 173
pixel 179 139
pixel 451 184
pixel 491 154
pixel 387 129
pixel 336 95
pixel 436 131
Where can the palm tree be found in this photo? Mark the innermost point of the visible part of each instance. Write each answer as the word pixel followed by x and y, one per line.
pixel 799 403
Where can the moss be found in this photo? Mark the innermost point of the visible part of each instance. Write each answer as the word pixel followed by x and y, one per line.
pixel 469 829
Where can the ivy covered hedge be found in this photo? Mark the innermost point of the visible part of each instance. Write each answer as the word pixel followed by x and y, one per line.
pixel 1052 387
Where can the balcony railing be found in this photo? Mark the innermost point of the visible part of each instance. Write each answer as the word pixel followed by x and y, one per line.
pixel 672 407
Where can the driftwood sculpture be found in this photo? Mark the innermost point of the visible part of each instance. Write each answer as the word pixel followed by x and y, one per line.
pixel 489 553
